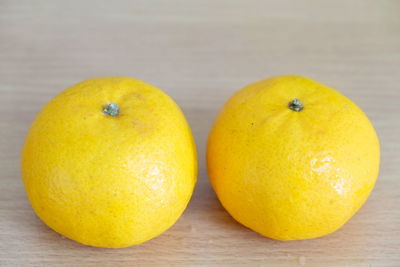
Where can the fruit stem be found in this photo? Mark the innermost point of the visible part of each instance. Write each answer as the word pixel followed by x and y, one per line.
pixel 296 105
pixel 111 109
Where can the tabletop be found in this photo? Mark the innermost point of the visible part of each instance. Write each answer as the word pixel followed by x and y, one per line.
pixel 200 52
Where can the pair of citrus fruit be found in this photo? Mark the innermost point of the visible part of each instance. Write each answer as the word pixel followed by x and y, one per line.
pixel 111 162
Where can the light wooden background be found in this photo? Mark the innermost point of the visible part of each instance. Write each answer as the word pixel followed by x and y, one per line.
pixel 200 52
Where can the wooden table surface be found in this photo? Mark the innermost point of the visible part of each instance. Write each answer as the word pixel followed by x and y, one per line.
pixel 200 52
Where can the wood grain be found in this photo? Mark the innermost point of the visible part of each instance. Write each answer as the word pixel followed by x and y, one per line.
pixel 200 52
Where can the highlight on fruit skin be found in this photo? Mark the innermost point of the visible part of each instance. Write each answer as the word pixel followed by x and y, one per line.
pixel 291 158
pixel 110 162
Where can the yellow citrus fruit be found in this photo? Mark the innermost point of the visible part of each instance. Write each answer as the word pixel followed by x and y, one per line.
pixel 109 162
pixel 291 158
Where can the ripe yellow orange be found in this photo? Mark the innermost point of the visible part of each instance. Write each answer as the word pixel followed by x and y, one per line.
pixel 291 158
pixel 109 162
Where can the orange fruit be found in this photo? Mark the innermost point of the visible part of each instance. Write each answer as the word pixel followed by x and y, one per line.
pixel 291 158
pixel 109 162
